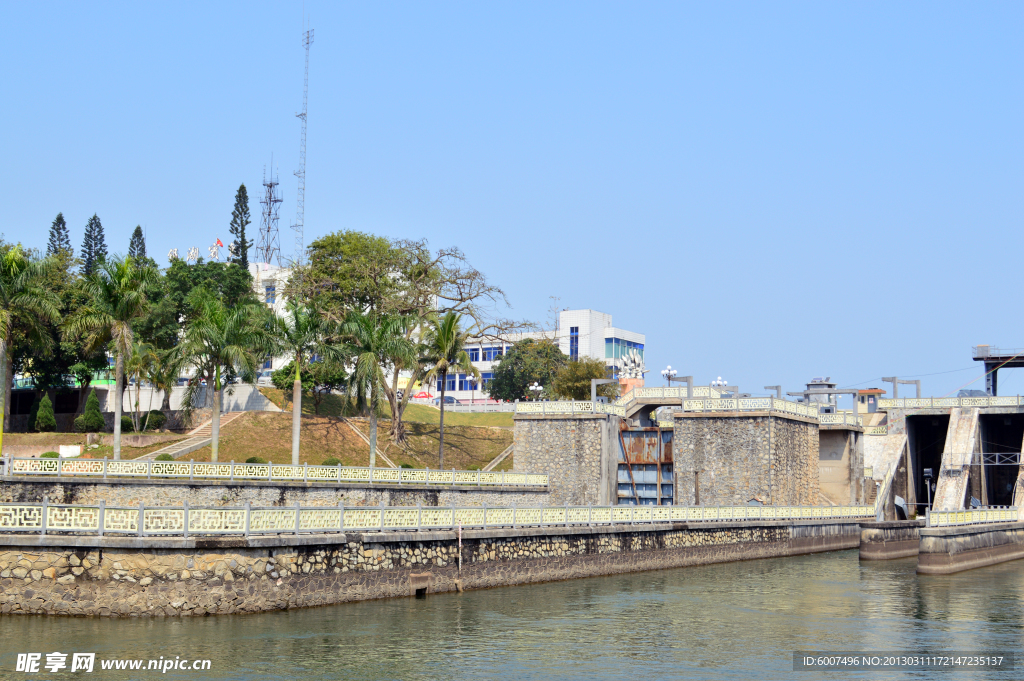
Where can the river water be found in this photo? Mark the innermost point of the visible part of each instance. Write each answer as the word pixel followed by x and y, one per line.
pixel 731 621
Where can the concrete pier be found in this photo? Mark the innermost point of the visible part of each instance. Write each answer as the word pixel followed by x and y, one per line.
pixel 888 540
pixel 945 550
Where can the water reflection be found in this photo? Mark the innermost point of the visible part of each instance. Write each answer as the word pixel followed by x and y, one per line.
pixel 733 621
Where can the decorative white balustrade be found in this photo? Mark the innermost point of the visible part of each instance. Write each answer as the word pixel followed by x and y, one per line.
pixel 946 402
pixel 974 516
pixel 198 470
pixel 708 402
pixel 185 521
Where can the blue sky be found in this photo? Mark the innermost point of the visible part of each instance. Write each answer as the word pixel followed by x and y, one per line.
pixel 768 191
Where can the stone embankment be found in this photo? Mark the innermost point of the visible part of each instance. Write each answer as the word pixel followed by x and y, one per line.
pixel 160 577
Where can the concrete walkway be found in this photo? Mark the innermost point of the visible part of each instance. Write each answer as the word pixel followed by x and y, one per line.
pixel 198 438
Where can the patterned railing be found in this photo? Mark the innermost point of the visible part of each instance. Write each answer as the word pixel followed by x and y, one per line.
pixel 944 402
pixel 876 430
pixel 198 470
pixel 714 403
pixel 569 407
pixel 185 521
pixel 974 516
pixel 842 418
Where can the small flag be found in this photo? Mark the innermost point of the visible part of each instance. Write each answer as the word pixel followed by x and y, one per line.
pixel 219 243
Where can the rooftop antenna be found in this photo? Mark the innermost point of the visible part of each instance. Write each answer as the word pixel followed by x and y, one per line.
pixel 300 206
pixel 268 244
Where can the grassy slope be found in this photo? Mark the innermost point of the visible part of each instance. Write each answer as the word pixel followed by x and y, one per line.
pixel 471 440
pixel 268 435
pixel 419 413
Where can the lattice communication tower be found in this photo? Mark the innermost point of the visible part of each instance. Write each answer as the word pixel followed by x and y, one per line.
pixel 300 207
pixel 268 245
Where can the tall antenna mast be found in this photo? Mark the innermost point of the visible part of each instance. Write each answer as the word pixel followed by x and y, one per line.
pixel 268 244
pixel 300 207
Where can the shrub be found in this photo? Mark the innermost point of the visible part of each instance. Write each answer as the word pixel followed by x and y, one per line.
pixel 164 457
pixel 33 412
pixel 157 419
pixel 331 462
pixel 255 459
pixel 45 421
pixel 49 455
pixel 91 421
pixel 406 465
pixel 126 424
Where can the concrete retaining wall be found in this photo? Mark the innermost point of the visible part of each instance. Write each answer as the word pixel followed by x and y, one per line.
pixel 131 577
pixel 890 539
pixel 944 550
pixel 127 492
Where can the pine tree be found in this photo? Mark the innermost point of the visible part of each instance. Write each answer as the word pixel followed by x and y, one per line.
pixel 239 221
pixel 94 245
pixel 137 247
pixel 60 239
pixel 45 420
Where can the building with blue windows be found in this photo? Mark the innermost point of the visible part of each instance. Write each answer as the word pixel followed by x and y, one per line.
pixel 580 333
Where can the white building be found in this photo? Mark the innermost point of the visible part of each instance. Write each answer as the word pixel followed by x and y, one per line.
pixel 580 333
pixel 268 281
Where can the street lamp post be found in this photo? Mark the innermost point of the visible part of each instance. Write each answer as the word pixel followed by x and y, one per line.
pixel 536 389
pixel 668 373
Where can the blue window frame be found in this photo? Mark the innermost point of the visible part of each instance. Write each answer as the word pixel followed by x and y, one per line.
pixel 574 342
pixel 492 353
pixel 474 354
pixel 451 383
pixel 485 378
pixel 270 295
pixel 466 382
pixel 267 363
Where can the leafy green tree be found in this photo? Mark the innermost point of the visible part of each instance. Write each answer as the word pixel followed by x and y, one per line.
pixel 230 339
pixel 45 422
pixel 376 344
pixel 573 380
pixel 91 420
pixel 350 271
pixel 303 334
pixel 232 285
pixel 527 362
pixel 137 245
pixel 444 352
pixel 319 379
pixel 94 245
pixel 239 221
pixel 117 297
pixel 65 360
pixel 60 239
pixel 26 305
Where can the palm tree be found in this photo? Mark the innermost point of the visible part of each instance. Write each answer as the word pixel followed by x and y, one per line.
pixel 304 334
pixel 25 308
pixel 140 367
pixel 444 352
pixel 377 343
pixel 117 297
pixel 227 339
